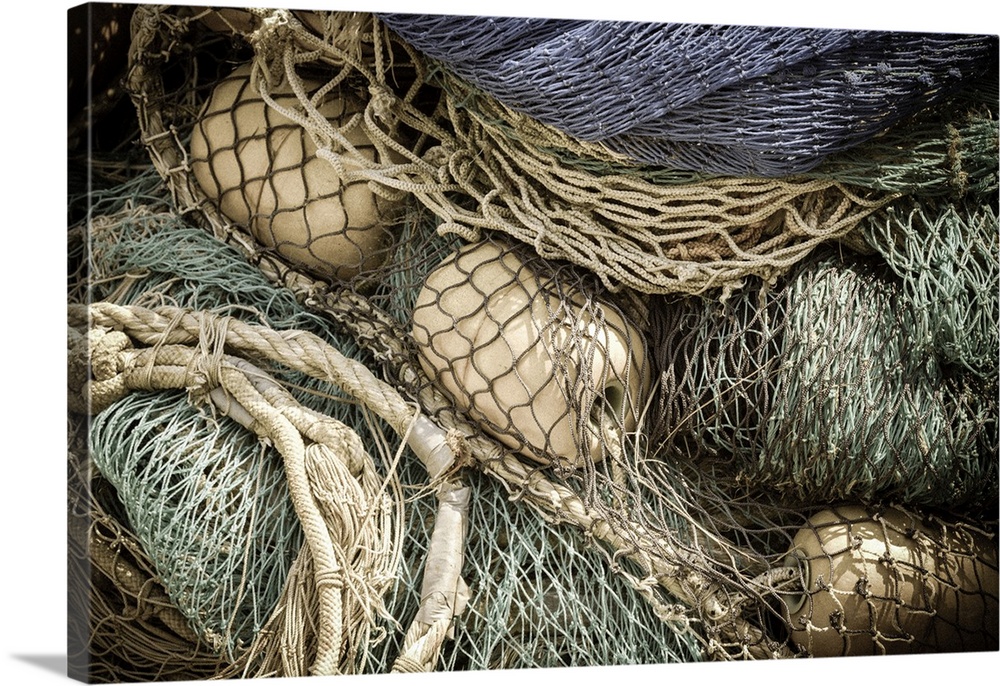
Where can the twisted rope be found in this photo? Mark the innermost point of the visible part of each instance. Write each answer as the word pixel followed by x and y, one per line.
pixel 318 472
pixel 421 647
pixel 119 369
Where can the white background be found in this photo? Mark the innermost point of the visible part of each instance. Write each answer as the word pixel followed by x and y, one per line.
pixel 32 148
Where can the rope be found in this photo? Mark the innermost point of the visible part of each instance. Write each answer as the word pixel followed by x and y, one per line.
pixel 298 350
pixel 120 369
pixel 422 647
pixel 319 473
pixel 467 168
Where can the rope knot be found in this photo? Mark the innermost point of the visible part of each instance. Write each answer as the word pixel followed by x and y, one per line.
pixel 332 579
pixel 437 156
pixel 382 102
pixel 95 367
pixel 104 347
pixel 270 41
pixel 459 447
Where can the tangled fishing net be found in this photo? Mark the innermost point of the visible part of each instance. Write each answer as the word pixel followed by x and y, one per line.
pixel 824 388
pixel 212 506
pixel 386 371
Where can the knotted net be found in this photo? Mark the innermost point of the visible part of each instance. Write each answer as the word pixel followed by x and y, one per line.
pixel 517 296
pixel 197 508
pixel 739 100
pixel 825 388
pixel 473 162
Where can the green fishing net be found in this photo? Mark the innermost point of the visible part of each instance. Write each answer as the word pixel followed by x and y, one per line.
pixel 209 505
pixel 823 388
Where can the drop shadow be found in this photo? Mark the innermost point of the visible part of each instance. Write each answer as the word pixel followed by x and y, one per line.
pixel 51 663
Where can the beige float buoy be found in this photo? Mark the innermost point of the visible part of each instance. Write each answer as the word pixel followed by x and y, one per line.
pixel 262 171
pixel 532 365
pixel 890 582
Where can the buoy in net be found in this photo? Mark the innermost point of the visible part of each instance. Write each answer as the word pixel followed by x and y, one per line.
pixel 539 365
pixel 262 171
pixel 890 582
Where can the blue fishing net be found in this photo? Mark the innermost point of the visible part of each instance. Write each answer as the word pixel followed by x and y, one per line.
pixel 722 99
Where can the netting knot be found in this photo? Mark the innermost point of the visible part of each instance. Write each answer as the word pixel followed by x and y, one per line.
pixel 959 177
pixel 269 41
pixel 862 587
pixel 278 21
pixel 382 103
pixel 439 158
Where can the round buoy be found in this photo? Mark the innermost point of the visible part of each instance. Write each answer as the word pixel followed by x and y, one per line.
pixel 889 582
pixel 540 371
pixel 263 172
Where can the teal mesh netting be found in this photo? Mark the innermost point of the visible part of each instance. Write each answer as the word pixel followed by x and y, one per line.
pixel 210 506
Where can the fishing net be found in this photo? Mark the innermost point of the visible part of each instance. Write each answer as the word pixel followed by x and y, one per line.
pixel 530 352
pixel 738 100
pixel 824 388
pixel 123 624
pixel 186 478
pixel 945 254
pixel 642 383
pixel 849 545
pixel 200 510
pixel 477 172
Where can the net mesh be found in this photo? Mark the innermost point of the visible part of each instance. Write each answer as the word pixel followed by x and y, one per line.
pixel 850 545
pixel 652 378
pixel 269 178
pixel 824 388
pixel 738 100
pixel 468 168
pixel 129 628
pixel 207 500
pixel 200 508
pixel 945 255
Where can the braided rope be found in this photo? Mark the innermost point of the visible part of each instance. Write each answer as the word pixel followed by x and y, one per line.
pixel 299 350
pixel 422 646
pixel 123 369
pixel 319 473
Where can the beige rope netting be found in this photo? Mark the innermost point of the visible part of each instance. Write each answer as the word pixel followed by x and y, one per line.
pixel 476 170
